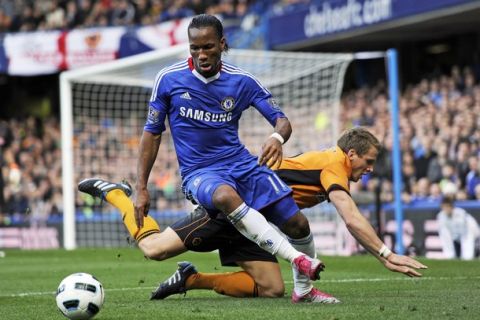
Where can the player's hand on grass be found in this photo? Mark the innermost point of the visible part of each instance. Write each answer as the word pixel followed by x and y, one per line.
pixel 404 264
pixel 272 153
pixel 142 205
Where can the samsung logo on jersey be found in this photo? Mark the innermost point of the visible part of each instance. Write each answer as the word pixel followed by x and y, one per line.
pixel 205 115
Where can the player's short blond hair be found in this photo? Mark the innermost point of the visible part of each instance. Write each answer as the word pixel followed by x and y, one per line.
pixel 358 139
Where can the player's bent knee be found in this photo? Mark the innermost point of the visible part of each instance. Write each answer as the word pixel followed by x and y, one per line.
pixel 297 226
pixel 161 246
pixel 153 251
pixel 226 199
pixel 273 291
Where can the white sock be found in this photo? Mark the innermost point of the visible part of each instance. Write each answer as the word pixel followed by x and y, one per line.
pixel 302 283
pixel 253 225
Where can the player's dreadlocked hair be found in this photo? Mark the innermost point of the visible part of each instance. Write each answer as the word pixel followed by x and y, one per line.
pixel 207 20
pixel 358 139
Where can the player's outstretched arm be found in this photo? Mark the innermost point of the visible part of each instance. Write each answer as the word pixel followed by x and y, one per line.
pixel 148 150
pixel 272 152
pixel 361 229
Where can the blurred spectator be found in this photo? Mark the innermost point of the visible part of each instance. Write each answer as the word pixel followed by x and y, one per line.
pixel 423 155
pixel 5 21
pixel 449 177
pixel 477 192
pixel 142 10
pixel 84 9
pixel 176 9
pixel 421 191
pixel 461 158
pixel 6 138
pixel 472 180
pixel 435 192
pixel 99 15
pixel 72 15
pixel 201 6
pixel 155 11
pixel 434 94
pixel 122 13
pixel 55 16
pixel 469 82
pixel 458 231
pixel 230 12
pixel 434 171
pixel 408 178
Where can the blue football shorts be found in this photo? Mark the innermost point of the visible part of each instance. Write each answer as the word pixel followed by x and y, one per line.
pixel 258 186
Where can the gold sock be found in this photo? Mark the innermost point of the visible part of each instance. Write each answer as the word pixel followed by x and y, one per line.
pixel 234 284
pixel 119 199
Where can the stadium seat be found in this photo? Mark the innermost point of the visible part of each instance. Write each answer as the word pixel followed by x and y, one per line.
pixel 434 255
pixel 433 244
pixel 324 235
pixel 40 238
pixel 433 247
pixel 323 227
pixel 430 227
pixel 10 238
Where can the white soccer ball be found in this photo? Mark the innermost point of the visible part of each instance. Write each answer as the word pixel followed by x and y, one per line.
pixel 80 296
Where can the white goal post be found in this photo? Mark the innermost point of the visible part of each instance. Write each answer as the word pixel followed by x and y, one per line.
pixel 103 110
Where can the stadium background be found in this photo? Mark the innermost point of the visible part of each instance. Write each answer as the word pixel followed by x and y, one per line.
pixel 438 45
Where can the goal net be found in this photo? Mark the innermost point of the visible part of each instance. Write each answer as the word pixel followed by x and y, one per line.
pixel 104 110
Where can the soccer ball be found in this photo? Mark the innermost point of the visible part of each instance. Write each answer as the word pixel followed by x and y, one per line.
pixel 80 296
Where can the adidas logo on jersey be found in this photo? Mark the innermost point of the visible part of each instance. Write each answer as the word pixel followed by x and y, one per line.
pixel 186 95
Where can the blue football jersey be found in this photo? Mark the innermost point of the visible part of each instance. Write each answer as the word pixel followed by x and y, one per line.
pixel 204 113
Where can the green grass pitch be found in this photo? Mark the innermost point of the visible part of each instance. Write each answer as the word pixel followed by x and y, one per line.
pixel 28 280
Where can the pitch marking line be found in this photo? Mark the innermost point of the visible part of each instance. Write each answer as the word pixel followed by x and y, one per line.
pixel 29 294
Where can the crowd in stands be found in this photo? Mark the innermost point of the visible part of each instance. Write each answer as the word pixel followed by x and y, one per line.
pixel 31 179
pixel 440 144
pixel 440 140
pixel 29 15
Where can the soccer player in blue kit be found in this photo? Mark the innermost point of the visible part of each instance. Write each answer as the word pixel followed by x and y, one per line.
pixel 203 99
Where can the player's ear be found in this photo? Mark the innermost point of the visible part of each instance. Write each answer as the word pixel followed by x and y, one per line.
pixel 351 154
pixel 223 42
